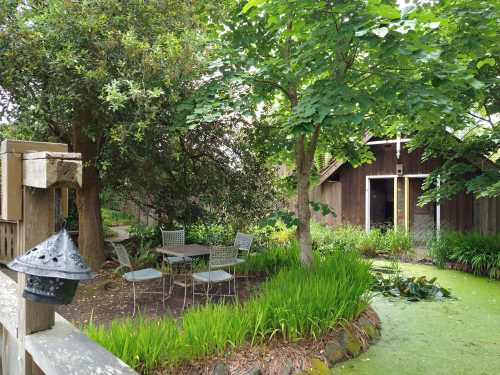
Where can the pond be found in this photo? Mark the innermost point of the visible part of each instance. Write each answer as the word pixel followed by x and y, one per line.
pixel 460 336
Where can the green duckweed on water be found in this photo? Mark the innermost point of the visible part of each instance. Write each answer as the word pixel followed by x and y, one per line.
pixel 459 336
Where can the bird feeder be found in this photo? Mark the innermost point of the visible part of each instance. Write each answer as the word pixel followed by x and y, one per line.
pixel 53 270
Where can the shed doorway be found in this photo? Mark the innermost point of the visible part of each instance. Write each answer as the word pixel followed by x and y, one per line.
pixel 381 203
pixel 421 220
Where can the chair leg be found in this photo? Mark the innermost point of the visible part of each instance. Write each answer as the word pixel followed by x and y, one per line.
pixel 208 289
pixel 235 281
pixel 171 281
pixel 185 291
pixel 133 291
pixel 192 280
pixel 163 291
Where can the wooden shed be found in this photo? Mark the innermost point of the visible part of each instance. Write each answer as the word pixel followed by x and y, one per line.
pixel 385 193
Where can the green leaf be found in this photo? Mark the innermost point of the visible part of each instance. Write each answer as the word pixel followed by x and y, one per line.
pixel 361 32
pixel 384 10
pixel 477 84
pixel 488 61
pixel 250 4
pixel 381 32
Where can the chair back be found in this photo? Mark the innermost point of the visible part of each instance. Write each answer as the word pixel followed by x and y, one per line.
pixel 222 256
pixel 122 255
pixel 173 237
pixel 243 242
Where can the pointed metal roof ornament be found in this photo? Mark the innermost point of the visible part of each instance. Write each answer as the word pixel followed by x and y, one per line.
pixel 53 268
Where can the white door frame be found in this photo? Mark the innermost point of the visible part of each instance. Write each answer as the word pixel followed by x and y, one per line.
pixel 395 177
pixel 368 193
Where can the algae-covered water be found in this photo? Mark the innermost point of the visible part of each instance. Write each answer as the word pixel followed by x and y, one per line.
pixel 454 337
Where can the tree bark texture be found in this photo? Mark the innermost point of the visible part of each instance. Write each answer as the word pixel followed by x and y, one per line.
pixel 303 209
pixel 91 236
pixel 304 154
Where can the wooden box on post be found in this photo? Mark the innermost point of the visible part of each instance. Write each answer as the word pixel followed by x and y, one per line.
pixel 11 155
pixel 44 170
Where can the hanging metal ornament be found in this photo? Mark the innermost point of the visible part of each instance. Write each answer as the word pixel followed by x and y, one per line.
pixel 53 270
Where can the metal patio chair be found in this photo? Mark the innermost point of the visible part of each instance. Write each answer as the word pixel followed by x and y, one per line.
pixel 243 243
pixel 179 266
pixel 221 257
pixel 137 276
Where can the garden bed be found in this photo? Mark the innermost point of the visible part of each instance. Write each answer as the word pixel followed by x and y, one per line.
pixel 106 298
pixel 281 357
pixel 293 311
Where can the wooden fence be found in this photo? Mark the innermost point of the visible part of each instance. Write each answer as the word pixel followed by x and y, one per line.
pixel 8 241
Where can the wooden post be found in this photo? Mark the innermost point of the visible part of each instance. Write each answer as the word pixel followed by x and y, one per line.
pixel 43 175
pixel 37 225
pixel 11 197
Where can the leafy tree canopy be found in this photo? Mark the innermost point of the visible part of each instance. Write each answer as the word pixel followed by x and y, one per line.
pixel 457 98
pixel 320 74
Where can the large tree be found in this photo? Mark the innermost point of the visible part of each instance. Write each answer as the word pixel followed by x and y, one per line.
pixel 321 73
pixel 210 172
pixel 95 73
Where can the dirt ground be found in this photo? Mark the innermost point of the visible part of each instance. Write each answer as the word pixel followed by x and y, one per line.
pixel 106 298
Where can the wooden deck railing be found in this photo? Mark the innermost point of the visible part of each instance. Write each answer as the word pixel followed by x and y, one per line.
pixel 62 350
pixel 8 241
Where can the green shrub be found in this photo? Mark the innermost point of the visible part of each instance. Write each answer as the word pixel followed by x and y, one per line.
pixel 348 237
pixel 112 218
pixel 440 247
pixel 272 260
pixel 371 244
pixel 479 253
pixel 295 304
pixel 140 342
pixel 210 234
pixel 343 237
pixel 301 303
pixel 397 242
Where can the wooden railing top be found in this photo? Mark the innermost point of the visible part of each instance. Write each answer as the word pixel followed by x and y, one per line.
pixel 62 350
pixel 8 304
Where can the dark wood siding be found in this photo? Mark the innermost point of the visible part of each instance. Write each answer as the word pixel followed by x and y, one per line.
pixel 457 213
pixel 353 182
pixel 463 212
pixel 353 179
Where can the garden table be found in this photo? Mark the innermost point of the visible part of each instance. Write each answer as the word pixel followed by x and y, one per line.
pixel 192 250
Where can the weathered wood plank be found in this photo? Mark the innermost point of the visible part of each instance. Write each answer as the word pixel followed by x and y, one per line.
pixel 11 181
pixel 45 170
pixel 21 147
pixel 52 155
pixel 8 241
pixel 8 304
pixel 38 224
pixel 63 350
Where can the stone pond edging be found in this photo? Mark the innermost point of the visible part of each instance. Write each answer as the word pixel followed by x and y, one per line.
pixel 346 342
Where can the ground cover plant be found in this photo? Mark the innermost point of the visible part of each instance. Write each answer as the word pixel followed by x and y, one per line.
pixel 294 304
pixel 472 252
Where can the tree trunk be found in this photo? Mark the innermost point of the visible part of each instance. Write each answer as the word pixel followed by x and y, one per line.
pixel 304 156
pixel 91 236
pixel 304 214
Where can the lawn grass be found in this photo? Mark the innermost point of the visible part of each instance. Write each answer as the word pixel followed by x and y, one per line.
pixel 295 304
